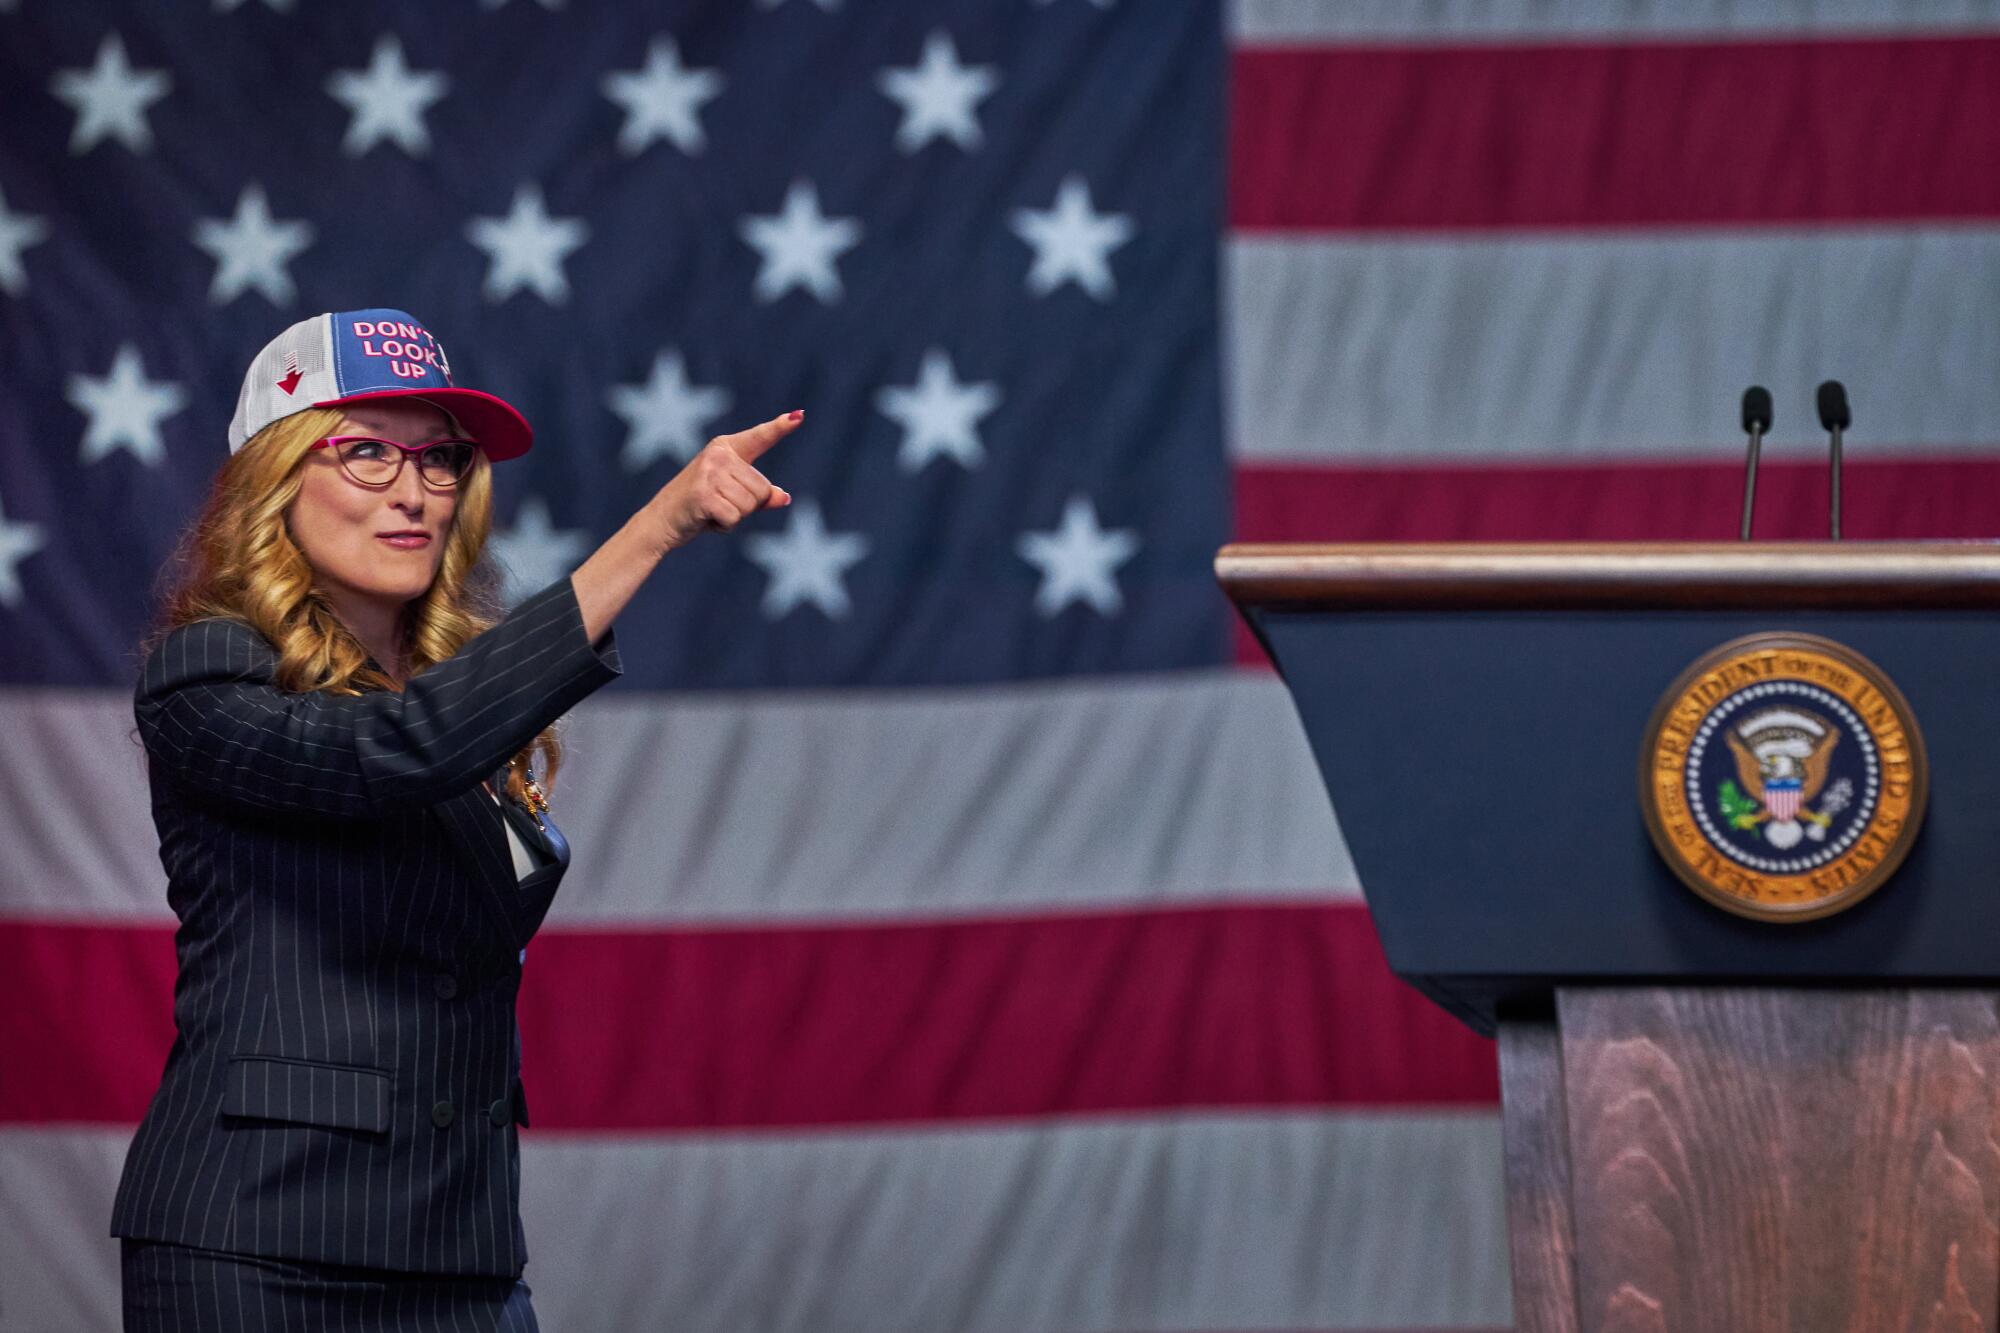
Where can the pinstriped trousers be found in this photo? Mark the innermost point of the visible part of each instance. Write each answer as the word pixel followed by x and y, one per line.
pixel 177 1289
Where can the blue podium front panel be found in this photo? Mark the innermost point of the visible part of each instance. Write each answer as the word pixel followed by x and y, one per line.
pixel 1484 765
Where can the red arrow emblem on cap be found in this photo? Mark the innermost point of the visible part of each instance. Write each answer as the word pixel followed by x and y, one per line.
pixel 290 381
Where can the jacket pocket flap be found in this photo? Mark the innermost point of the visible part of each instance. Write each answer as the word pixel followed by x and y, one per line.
pixel 306 1092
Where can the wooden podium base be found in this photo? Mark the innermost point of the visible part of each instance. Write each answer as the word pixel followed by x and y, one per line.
pixel 1721 1160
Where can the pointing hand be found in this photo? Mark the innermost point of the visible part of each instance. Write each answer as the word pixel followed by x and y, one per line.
pixel 719 487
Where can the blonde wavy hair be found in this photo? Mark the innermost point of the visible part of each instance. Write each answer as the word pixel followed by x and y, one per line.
pixel 238 560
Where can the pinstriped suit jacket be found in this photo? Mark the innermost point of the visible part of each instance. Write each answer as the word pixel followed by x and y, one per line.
pixel 344 1080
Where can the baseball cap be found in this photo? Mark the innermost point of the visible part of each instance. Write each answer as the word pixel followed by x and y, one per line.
pixel 356 356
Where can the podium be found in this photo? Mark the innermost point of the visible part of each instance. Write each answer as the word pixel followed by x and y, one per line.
pixel 1712 1120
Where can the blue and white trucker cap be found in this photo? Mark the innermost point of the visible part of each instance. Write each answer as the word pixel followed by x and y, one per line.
pixel 352 356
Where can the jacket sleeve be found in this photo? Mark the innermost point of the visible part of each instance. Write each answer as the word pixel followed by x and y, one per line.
pixel 212 718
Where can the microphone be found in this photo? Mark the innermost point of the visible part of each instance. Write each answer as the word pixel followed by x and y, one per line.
pixel 1834 417
pixel 1756 420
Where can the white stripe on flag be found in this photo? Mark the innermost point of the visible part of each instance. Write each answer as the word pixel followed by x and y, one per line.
pixel 1284 22
pixel 771 807
pixel 1209 1222
pixel 1343 349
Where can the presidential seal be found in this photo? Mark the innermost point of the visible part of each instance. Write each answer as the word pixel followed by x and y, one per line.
pixel 1783 777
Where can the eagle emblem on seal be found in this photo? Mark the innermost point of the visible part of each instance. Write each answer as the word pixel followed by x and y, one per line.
pixel 1782 758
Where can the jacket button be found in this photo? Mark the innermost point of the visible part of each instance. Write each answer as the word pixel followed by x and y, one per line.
pixel 441 1115
pixel 500 1112
pixel 447 986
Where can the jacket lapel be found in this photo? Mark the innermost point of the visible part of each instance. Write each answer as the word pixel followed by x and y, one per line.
pixel 533 892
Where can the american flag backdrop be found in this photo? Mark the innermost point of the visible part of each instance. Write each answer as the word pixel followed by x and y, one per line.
pixel 958 934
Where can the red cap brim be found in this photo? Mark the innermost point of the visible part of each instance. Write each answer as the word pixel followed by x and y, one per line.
pixel 501 431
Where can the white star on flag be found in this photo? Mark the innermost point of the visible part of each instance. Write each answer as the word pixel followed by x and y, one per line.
pixel 662 101
pixel 806 564
pixel 938 414
pixel 18 231
pixel 534 552
pixel 666 415
pixel 527 248
pixel 1078 560
pixel 125 409
pixel 111 98
pixel 251 250
pixel 799 245
pixel 937 96
pixel 18 541
pixel 1072 242
pixel 387 100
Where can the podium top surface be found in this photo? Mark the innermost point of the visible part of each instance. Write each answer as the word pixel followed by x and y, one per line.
pixel 1607 575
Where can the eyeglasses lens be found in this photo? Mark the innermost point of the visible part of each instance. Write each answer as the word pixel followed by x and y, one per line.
pixel 445 464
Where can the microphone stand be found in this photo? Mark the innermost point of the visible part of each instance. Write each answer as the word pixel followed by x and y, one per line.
pixel 1750 480
pixel 1756 420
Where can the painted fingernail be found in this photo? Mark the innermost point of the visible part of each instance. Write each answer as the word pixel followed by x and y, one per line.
pixel 797 414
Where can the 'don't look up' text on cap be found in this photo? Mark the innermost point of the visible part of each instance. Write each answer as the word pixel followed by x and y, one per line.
pixel 353 356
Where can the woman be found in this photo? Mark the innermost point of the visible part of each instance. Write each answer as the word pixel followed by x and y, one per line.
pixel 341 744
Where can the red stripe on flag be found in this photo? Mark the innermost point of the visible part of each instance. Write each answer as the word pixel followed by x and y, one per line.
pixel 767 1027
pixel 1638 134
pixel 1880 501
pixel 87 1020
pixel 1906 499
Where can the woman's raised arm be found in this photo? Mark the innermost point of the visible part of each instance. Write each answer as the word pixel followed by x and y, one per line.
pixel 213 718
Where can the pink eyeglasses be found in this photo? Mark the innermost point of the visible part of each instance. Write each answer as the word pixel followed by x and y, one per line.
pixel 373 462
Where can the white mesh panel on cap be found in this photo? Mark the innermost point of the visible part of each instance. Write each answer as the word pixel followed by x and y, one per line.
pixel 262 400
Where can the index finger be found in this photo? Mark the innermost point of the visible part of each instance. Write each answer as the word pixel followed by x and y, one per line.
pixel 751 444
